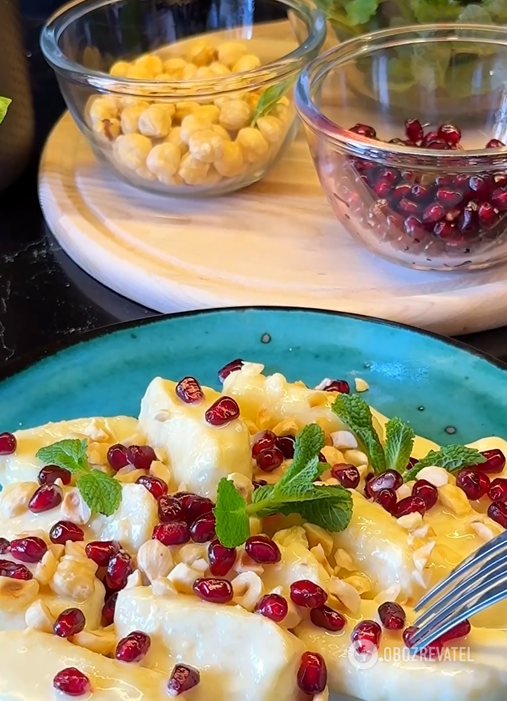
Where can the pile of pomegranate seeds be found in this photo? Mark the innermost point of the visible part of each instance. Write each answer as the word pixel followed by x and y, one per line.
pixel 46 497
pixel 189 391
pixel 30 549
pixel 63 531
pixel 312 673
pixel 50 473
pixel 234 365
pixel 72 682
pixel 69 623
pixel 8 443
pixel 133 647
pixel 453 211
pixel 263 550
pixel 193 506
pixel 222 412
pixel 270 450
pixel 273 606
pixel 221 559
pixel 307 594
pixel 216 591
pixel 327 618
pixel 183 678
pixel 391 615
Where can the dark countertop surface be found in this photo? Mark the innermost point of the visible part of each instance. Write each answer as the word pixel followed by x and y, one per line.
pixel 44 297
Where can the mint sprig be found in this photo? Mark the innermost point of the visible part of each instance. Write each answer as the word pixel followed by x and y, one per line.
pixel 450 457
pixel 399 444
pixel 356 414
pixel 269 99
pixel 100 491
pixel 296 493
pixel 4 106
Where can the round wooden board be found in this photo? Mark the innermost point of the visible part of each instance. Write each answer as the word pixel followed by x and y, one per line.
pixel 274 243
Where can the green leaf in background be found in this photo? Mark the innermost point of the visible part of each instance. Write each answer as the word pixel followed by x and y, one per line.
pixel 428 11
pixel 429 64
pixel 399 74
pixel 4 106
pixel 475 14
pixel 269 99
pixel 361 11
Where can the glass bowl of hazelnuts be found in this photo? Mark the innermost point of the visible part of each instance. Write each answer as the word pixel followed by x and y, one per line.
pixel 408 130
pixel 184 97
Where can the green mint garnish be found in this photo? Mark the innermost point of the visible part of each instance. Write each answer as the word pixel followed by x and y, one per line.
pixel 399 444
pixel 356 414
pixel 100 491
pixel 4 106
pixel 296 493
pixel 450 457
pixel 269 100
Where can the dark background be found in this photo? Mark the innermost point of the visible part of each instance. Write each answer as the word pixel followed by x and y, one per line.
pixel 43 295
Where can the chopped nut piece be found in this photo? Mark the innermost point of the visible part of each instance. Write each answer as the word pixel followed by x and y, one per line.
pixel 248 588
pixel 355 457
pixel 455 499
pixel 346 593
pixel 17 594
pixel 46 568
pixel 319 536
pixel 421 556
pixel 74 508
pixel 410 521
pixel 163 587
pixel 434 475
pixel 361 385
pixel 343 561
pixel 154 560
pixel 344 440
pixel 102 642
pixel 38 616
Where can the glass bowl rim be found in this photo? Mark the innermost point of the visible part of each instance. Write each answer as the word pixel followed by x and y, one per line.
pixel 361 146
pixel 283 68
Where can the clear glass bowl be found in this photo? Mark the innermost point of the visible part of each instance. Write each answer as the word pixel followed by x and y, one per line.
pixel 437 204
pixel 188 98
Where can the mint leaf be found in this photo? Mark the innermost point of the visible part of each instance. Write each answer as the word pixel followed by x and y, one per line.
pixel 69 453
pixel 399 444
pixel 305 468
pixel 269 99
pixel 100 491
pixel 361 11
pixel 232 526
pixel 475 14
pixel 356 414
pixel 4 106
pixel 450 457
pixel 332 510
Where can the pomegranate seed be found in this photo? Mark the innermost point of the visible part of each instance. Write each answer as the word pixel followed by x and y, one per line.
pixel 108 610
pixel 480 185
pixel 273 606
pixel 63 531
pixel 400 191
pixel 193 506
pixel 183 678
pixel 438 145
pixel 72 682
pixel 5 546
pixel 50 473
pixel 118 456
pixel 500 179
pixel 444 229
pixel 495 461
pixel 141 456
pixel 428 138
pixel 460 630
pixel 341 386
pixel 488 215
pixel 169 508
pixel 498 512
pixel 101 551
pixel 327 618
pixel 419 192
pixel 430 652
pixel 216 591
pixel 495 143
pixel 382 188
pixel 263 550
pixel 322 457
pixel 203 529
pixel 234 365
pixel 46 497
pixel 347 475
pixel 391 615
pixel 390 479
pixel 8 443
pixel 498 489
pixel 266 441
pixel 312 673
pixel 474 483
pixel 364 130
pixel 467 219
pixel 386 498
pixel 189 391
pixel 365 635
pixel 448 197
pixel 450 134
pixel 408 207
pixel 427 491
pixel 14 571
pixel 308 594
pixel 118 570
pixel 133 647
pixel 221 559
pixel 222 412
pixel 30 549
pixel 414 130
pixel 433 213
pixel 414 228
pixel 286 444
pixel 69 622
pixel 409 505
pixel 172 533
pixel 268 460
pixel 156 486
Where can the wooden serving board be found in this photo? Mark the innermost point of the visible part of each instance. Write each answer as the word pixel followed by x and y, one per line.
pixel 274 243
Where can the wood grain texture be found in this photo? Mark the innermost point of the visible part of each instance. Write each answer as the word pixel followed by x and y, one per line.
pixel 275 243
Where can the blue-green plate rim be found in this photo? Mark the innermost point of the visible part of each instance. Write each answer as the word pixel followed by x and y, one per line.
pixel 17 365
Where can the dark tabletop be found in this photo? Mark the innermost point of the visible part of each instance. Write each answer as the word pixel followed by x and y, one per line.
pixel 43 295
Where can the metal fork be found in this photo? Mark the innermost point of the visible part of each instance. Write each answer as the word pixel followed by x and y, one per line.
pixel 477 583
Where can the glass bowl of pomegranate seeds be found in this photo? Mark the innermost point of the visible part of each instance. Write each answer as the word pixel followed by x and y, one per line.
pixel 424 184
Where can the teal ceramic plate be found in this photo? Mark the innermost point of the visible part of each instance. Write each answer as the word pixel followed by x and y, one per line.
pixel 447 391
